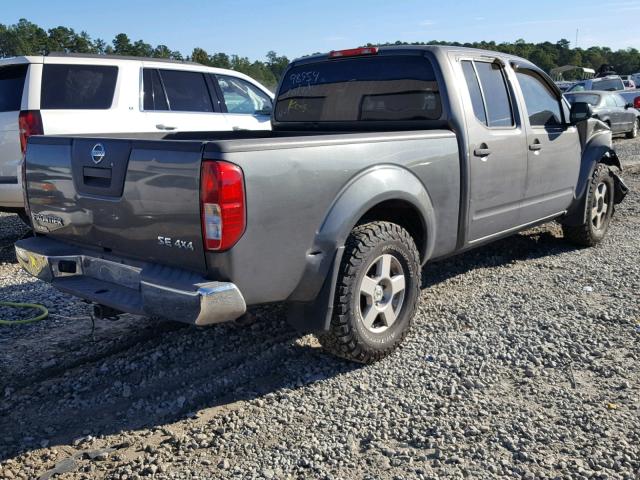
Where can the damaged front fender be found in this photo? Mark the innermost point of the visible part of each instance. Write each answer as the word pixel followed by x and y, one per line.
pixel 596 141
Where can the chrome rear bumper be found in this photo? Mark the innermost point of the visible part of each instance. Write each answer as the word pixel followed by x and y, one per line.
pixel 140 288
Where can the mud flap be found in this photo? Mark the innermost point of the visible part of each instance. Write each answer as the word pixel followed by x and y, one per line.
pixel 619 187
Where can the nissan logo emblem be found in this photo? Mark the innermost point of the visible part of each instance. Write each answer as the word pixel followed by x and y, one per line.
pixel 97 153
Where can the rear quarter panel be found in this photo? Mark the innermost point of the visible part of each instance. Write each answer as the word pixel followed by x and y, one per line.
pixel 290 191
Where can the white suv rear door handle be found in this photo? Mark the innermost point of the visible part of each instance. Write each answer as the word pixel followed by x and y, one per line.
pixel 162 126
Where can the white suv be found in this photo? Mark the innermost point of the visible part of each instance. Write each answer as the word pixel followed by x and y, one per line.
pixel 85 94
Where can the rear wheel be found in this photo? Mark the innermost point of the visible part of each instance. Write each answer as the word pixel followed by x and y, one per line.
pixel 599 210
pixel 636 127
pixel 376 295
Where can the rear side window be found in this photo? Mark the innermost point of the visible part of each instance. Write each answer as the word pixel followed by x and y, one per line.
pixel 186 91
pixel 154 97
pixel 474 91
pixel 374 88
pixel 495 92
pixel 11 87
pixel 78 87
pixel 609 101
pixel 543 106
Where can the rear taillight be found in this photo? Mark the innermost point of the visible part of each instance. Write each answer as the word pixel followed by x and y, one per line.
pixel 636 103
pixel 222 204
pixel 29 123
pixel 353 52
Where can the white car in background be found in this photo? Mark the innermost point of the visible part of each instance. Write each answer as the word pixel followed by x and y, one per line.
pixel 97 94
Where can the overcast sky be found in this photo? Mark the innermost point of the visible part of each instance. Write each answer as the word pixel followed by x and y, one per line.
pixel 293 28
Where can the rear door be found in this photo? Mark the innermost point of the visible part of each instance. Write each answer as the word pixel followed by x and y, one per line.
pixel 497 150
pixel 180 100
pixel 12 79
pixel 246 106
pixel 553 161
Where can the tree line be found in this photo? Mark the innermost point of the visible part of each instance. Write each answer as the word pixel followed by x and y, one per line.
pixel 27 38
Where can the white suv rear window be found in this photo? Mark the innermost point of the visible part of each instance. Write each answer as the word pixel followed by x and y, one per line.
pixel 78 87
pixel 11 87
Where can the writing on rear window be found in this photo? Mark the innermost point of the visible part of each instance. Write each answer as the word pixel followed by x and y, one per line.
pixel 384 88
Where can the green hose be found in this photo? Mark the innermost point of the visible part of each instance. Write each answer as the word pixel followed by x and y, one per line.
pixel 42 316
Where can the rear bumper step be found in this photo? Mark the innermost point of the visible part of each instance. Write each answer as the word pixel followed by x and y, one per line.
pixel 140 288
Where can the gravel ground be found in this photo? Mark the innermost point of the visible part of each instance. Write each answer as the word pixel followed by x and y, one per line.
pixel 523 363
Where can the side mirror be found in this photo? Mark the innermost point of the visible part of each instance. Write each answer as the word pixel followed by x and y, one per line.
pixel 265 110
pixel 580 111
pixel 628 106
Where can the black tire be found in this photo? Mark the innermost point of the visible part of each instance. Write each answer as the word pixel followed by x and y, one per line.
pixel 594 229
pixel 373 246
pixel 636 127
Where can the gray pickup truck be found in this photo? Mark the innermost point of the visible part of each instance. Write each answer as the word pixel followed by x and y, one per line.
pixel 380 161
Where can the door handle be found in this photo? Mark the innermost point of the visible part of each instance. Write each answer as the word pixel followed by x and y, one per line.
pixel 535 146
pixel 482 152
pixel 162 126
pixel 240 129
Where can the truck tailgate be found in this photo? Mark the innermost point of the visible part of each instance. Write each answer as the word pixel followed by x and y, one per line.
pixel 120 196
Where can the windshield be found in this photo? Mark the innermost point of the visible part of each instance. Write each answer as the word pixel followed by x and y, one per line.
pixel 591 99
pixel 387 88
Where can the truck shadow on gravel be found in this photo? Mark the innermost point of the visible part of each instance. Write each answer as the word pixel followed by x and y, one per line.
pixel 539 242
pixel 58 384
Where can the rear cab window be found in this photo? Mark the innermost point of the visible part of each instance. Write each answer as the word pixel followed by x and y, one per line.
pixel 590 98
pixel 360 89
pixel 78 87
pixel 11 87
pixel 608 84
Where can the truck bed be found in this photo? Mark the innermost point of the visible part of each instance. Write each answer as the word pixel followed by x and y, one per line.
pixel 147 186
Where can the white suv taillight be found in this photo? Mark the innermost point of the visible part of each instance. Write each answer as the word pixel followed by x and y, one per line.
pixel 222 204
pixel 29 123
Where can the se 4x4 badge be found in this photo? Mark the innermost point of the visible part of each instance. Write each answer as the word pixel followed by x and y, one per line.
pixel 177 243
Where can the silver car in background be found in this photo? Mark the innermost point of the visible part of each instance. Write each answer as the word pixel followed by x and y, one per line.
pixel 612 109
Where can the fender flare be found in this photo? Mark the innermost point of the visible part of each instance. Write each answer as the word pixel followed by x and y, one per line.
pixel 598 150
pixel 311 303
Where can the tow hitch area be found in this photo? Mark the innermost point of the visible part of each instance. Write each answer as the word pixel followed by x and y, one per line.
pixel 102 312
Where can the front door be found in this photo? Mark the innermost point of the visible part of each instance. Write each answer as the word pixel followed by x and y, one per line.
pixel 497 150
pixel 553 162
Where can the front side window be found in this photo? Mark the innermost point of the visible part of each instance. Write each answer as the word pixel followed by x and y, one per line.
pixel 496 95
pixel 242 97
pixel 78 87
pixel 186 91
pixel 619 101
pixel 543 106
